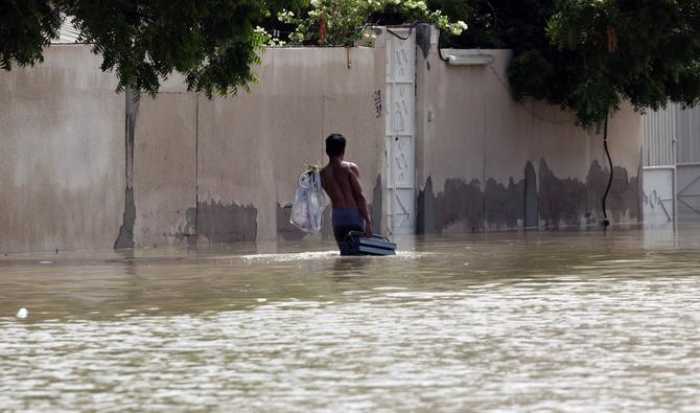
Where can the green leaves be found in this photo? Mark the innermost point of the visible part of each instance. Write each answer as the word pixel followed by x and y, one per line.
pixel 605 51
pixel 588 56
pixel 213 43
pixel 345 22
pixel 26 26
pixel 584 55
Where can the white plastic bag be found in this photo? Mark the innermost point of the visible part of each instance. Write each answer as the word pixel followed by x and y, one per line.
pixel 309 202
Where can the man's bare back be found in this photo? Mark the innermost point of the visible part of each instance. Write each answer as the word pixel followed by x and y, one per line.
pixel 336 181
pixel 341 182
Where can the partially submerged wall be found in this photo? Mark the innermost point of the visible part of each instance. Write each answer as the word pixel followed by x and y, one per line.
pixel 61 154
pixel 225 170
pixel 485 162
pixel 85 167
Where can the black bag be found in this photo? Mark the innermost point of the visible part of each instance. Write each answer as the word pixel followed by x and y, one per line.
pixel 360 244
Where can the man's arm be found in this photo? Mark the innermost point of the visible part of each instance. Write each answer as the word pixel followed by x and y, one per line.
pixel 361 201
pixel 354 169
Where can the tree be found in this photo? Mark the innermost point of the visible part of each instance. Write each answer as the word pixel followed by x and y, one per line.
pixel 645 52
pixel 345 22
pixel 212 42
pixel 603 52
pixel 26 27
pixel 589 56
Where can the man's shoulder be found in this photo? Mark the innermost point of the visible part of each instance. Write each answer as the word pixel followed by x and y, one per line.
pixel 352 167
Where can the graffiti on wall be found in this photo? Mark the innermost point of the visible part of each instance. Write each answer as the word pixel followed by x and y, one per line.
pixel 377 99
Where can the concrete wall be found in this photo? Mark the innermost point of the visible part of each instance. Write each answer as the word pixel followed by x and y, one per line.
pixel 225 170
pixel 62 154
pixel 485 162
pixel 194 169
pixel 85 167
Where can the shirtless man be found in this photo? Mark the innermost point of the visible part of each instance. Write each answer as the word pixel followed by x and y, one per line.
pixel 340 181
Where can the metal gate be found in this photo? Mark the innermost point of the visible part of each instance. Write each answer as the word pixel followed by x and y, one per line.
pixel 659 167
pixel 671 171
pixel 688 165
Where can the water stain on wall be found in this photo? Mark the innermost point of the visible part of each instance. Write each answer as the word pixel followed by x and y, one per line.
pixel 423 34
pixel 376 207
pixel 530 203
pixel 459 201
pixel 571 201
pixel 125 238
pixel 551 203
pixel 224 223
pixel 503 204
pixel 289 232
pixel 562 200
pixel 285 229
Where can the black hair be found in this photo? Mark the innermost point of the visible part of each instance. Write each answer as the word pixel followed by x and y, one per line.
pixel 335 145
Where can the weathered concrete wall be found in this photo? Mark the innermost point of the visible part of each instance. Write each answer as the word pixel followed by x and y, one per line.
pixel 85 167
pixel 164 167
pixel 487 162
pixel 225 170
pixel 62 154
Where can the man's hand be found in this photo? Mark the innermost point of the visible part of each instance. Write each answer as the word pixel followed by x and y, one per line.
pixel 368 228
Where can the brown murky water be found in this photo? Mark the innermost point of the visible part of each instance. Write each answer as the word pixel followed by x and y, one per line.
pixel 508 322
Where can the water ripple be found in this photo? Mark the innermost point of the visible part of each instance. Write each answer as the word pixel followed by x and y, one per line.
pixel 613 329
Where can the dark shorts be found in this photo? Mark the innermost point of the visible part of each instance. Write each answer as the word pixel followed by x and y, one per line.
pixel 344 221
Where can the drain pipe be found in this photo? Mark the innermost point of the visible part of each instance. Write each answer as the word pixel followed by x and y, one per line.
pixel 606 222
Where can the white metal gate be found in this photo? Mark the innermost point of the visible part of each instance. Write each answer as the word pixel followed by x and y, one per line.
pixel 671 172
pixel 400 132
pixel 659 167
pixel 688 165
pixel 658 196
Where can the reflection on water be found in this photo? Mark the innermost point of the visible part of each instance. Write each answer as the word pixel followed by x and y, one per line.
pixel 507 322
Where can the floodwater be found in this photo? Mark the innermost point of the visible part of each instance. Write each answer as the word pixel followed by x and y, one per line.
pixel 507 322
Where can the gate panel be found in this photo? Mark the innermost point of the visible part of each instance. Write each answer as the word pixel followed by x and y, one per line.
pixel 689 193
pixel 658 197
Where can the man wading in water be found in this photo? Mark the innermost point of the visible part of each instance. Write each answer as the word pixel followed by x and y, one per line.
pixel 340 181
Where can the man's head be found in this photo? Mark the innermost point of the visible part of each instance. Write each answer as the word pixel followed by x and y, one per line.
pixel 335 145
